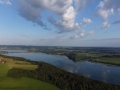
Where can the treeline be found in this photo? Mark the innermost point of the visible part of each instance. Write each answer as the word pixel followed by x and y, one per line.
pixel 14 58
pixel 111 56
pixel 62 79
pixel 19 59
pixel 73 57
pixel 107 63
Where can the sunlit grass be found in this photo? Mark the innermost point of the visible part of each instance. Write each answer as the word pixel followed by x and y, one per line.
pixel 25 84
pixel 7 83
pixel 110 60
pixel 19 64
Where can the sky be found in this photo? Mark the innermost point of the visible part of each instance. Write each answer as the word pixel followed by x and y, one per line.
pixel 82 23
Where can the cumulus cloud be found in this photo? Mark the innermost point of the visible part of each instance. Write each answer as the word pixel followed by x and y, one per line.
pixel 105 25
pixel 80 4
pixel 85 21
pixel 77 35
pixel 103 14
pixel 32 10
pixel 91 32
pixel 5 2
pixel 67 22
pixel 82 34
pixel 110 5
pixel 74 36
pixel 106 8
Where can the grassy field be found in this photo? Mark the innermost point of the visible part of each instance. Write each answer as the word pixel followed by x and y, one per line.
pixel 19 64
pixel 98 58
pixel 86 55
pixel 79 55
pixel 7 83
pixel 109 60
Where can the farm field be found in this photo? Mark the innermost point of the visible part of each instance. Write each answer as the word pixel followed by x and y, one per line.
pixel 113 61
pixel 7 83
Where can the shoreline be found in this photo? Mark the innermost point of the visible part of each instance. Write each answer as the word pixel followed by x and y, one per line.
pixel 74 59
pixel 56 76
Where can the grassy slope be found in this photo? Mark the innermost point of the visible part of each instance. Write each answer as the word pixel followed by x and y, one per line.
pixel 23 83
pixel 19 64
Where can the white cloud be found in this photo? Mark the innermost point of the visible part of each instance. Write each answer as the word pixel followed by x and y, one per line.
pixel 80 4
pixel 67 22
pixel 112 10
pixel 85 21
pixel 74 36
pixel 101 4
pixel 69 17
pixel 5 2
pixel 110 4
pixel 82 34
pixel 105 25
pixel 91 32
pixel 31 10
pixel 104 14
pixel 107 8
pixel 8 3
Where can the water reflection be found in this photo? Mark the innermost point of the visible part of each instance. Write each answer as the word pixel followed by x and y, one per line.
pixel 94 71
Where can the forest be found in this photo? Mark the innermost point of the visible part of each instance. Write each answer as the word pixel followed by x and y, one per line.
pixel 62 79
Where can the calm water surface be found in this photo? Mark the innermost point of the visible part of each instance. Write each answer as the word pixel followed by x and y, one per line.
pixel 94 71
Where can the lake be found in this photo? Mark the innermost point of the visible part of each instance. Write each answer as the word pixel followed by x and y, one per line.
pixel 95 71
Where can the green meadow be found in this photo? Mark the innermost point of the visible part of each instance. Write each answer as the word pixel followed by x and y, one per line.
pixel 114 61
pixel 7 83
pixel 98 58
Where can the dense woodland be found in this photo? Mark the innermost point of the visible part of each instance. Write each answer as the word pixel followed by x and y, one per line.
pixel 62 79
